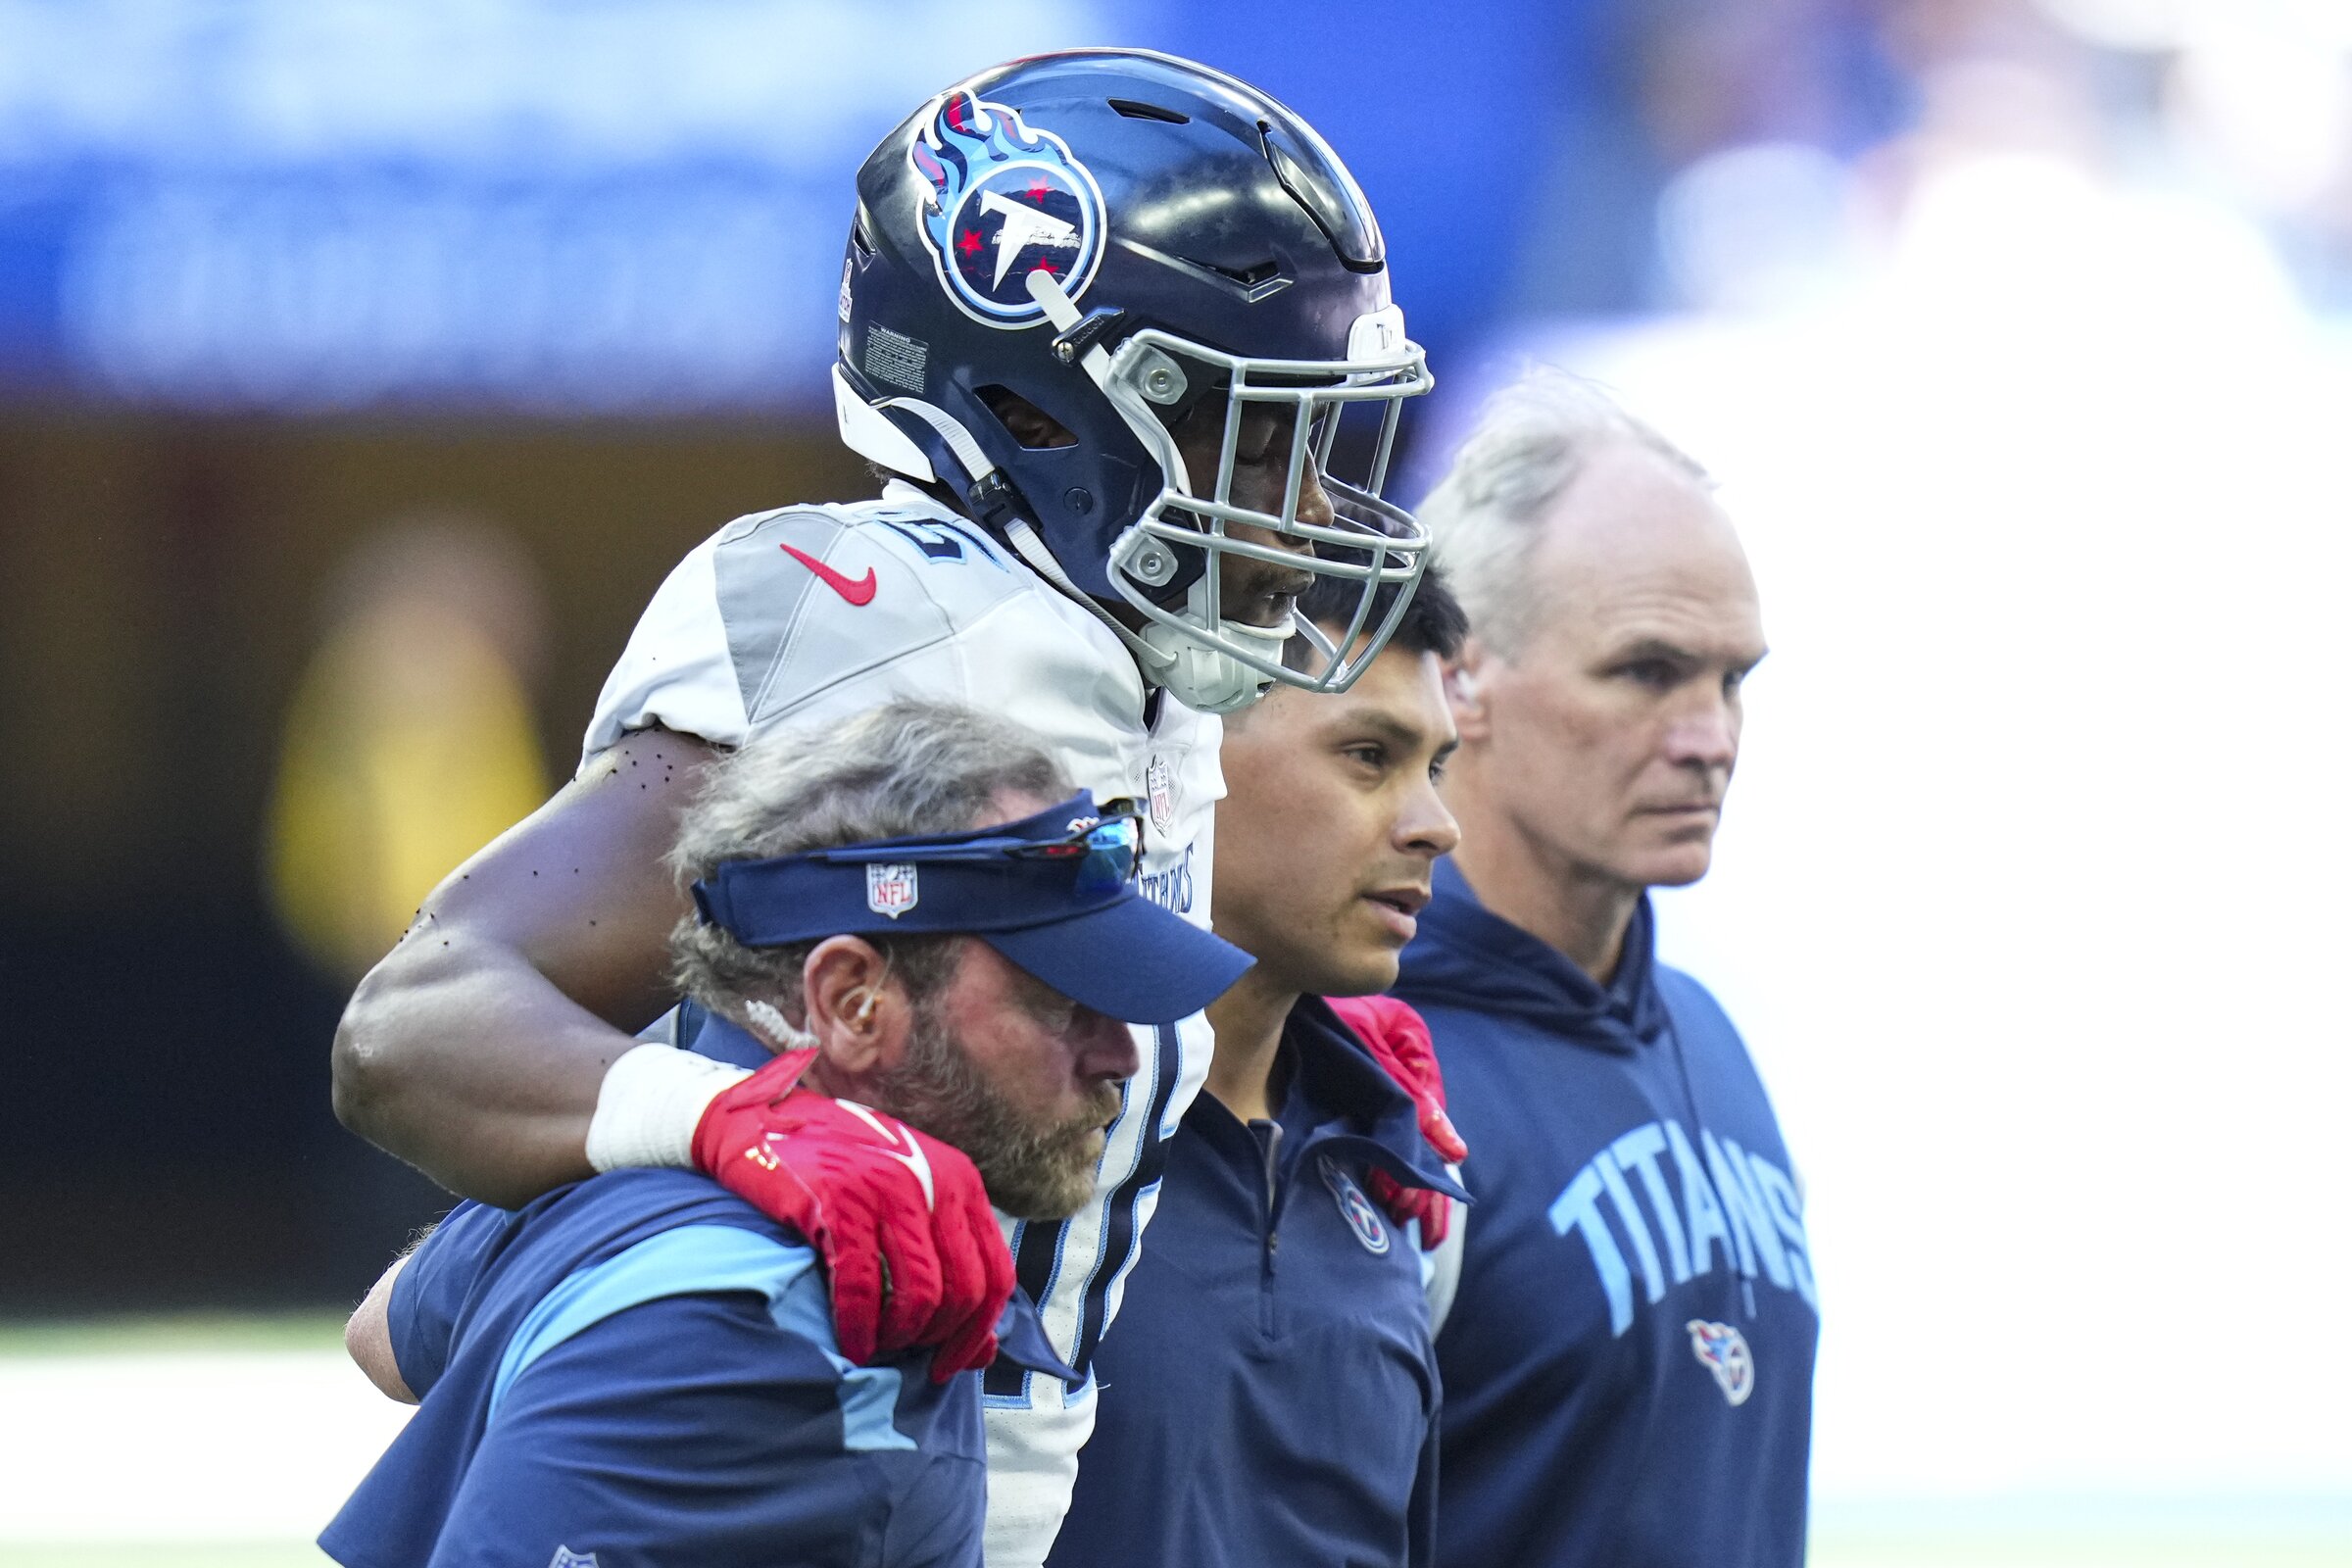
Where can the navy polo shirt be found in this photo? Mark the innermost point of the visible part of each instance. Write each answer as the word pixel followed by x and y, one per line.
pixel 1628 1353
pixel 1270 1392
pixel 641 1368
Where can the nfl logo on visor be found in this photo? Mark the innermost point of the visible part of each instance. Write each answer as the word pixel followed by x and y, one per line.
pixel 890 889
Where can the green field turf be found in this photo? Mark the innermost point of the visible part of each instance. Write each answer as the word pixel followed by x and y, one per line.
pixel 2046 1534
pixel 193 1331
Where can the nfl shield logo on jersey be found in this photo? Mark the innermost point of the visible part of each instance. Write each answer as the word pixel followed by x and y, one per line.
pixel 1723 1350
pixel 565 1557
pixel 1160 780
pixel 890 889
pixel 1355 1207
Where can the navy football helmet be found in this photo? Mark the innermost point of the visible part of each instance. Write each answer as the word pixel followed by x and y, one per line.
pixel 1116 236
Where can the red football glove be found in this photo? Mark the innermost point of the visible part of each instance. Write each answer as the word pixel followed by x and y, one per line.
pixel 1399 1042
pixel 900 1219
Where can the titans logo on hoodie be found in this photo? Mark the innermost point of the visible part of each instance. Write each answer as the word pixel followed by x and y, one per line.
pixel 1628 1357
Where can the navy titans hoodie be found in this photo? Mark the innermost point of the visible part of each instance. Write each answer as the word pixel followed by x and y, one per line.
pixel 1628 1361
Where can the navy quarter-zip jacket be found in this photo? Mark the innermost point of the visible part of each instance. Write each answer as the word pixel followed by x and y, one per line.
pixel 1269 1394
pixel 642 1368
pixel 1628 1360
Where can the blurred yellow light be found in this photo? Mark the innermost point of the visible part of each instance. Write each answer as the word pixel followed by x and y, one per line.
pixel 409 745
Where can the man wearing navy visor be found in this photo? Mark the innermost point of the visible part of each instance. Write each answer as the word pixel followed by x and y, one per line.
pixel 642 1367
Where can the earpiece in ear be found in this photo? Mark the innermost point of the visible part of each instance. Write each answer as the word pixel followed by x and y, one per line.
pixel 866 1009
pixel 769 1022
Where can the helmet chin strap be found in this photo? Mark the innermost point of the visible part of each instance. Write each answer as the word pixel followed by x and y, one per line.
pixel 978 470
pixel 1032 549
pixel 1202 678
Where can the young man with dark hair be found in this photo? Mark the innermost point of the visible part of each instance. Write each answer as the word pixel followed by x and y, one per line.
pixel 1272 1395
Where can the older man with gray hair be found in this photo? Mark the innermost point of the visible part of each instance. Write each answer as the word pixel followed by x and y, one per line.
pixel 642 1366
pixel 1628 1354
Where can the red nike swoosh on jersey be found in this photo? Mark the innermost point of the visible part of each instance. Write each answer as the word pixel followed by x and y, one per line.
pixel 857 591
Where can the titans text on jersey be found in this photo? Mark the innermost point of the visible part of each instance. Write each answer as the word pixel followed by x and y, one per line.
pixel 1628 1355
pixel 1738 1206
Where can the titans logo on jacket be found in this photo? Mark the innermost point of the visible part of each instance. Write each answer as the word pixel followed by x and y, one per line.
pixel 1271 1394
pixel 1628 1355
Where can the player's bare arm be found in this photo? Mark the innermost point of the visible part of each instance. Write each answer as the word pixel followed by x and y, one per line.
pixel 1142 533
pixel 367 1336
pixel 475 1049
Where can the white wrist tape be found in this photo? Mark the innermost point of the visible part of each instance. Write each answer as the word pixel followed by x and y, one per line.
pixel 651 1100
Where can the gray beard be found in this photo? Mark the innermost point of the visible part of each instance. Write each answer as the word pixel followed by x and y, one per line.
pixel 1032 1169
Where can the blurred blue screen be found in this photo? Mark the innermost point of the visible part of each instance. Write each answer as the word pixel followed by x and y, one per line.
pixel 628 206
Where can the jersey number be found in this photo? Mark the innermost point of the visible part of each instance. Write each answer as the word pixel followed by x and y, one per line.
pixel 943 541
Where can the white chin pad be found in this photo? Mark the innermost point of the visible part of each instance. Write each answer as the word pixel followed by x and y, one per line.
pixel 1207 679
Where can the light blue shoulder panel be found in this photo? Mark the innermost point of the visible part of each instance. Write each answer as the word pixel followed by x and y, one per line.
pixel 696 1259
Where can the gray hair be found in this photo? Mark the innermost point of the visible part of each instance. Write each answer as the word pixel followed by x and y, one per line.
pixel 1533 440
pixel 904 768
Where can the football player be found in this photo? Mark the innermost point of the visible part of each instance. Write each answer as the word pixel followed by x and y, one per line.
pixel 1101 318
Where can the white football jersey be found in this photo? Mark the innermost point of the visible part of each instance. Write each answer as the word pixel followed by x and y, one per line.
pixel 810 612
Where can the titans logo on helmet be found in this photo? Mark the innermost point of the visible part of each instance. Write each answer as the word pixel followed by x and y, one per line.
pixel 1006 201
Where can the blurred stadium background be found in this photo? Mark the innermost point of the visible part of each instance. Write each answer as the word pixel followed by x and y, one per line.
pixel 364 364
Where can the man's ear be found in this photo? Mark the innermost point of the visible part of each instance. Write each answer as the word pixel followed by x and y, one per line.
pixel 1465 690
pixel 860 1018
